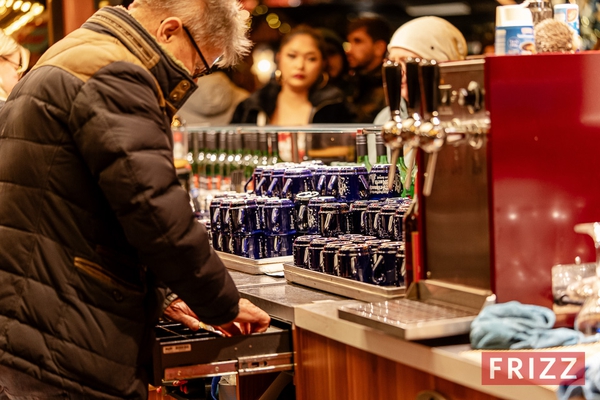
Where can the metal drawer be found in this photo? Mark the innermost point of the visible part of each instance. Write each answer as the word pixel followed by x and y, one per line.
pixel 182 354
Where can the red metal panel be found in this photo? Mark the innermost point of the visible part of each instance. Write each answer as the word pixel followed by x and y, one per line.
pixel 544 167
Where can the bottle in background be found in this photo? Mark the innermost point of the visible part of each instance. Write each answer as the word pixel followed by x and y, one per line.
pixel 230 162
pixel 193 157
pixel 362 154
pixel 514 30
pixel 180 142
pixel 569 14
pixel 211 156
pixel 256 152
pixel 412 259
pixel 263 147
pixel 223 182
pixel 201 161
pixel 382 157
pixel 250 144
pixel 274 158
pixel 237 165
pixel 406 191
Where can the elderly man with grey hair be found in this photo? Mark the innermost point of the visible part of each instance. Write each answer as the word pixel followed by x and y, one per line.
pixel 14 60
pixel 97 237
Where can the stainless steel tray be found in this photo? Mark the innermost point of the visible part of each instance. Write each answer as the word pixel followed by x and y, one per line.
pixel 341 286
pixel 431 309
pixel 255 267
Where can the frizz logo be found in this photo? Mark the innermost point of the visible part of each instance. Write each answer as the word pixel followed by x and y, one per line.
pixel 533 368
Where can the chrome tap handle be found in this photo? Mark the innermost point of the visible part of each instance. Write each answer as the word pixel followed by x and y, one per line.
pixel 432 135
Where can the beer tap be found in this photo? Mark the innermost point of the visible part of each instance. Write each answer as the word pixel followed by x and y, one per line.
pixel 410 126
pixel 391 131
pixel 432 135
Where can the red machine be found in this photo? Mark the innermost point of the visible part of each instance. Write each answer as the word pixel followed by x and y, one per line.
pixel 506 197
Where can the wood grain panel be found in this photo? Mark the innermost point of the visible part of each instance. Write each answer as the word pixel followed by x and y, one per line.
pixel 327 369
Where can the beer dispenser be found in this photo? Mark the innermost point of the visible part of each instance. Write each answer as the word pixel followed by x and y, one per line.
pixel 509 165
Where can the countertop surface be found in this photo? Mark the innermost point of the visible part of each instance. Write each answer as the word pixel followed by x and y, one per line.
pixel 317 311
pixel 455 362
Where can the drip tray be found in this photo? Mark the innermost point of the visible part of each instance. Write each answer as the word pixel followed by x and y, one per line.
pixel 431 309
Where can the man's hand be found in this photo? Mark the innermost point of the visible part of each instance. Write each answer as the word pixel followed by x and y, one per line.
pixel 178 311
pixel 250 318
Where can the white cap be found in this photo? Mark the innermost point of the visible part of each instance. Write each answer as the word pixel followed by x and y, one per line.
pixel 431 38
pixel 513 15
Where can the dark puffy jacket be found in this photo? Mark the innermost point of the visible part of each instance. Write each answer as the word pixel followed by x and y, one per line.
pixel 92 217
pixel 328 105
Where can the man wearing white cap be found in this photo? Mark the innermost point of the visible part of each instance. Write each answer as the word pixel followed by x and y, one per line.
pixel 431 38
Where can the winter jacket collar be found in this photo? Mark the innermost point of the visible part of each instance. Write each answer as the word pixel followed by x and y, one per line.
pixel 173 79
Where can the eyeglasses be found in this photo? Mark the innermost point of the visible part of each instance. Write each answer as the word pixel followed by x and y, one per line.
pixel 207 69
pixel 18 66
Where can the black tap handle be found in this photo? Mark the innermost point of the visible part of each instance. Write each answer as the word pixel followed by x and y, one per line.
pixel 412 84
pixel 430 81
pixel 392 85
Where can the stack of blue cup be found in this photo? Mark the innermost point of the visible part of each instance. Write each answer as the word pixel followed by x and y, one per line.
pixel 280 228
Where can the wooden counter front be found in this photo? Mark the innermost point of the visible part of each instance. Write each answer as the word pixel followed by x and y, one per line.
pixel 328 369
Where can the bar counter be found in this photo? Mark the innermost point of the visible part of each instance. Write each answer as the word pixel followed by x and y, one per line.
pixel 338 359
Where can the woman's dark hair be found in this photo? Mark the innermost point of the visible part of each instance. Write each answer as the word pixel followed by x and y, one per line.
pixel 306 30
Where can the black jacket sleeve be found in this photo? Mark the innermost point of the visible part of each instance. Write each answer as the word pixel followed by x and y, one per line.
pixel 124 137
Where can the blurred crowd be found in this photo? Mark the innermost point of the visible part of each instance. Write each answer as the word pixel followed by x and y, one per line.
pixel 324 78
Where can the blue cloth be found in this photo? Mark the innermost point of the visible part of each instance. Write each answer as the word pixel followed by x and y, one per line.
pixel 516 326
pixel 591 389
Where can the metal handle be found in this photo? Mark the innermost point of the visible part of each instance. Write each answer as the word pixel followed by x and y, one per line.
pixel 321 183
pixel 272 186
pixel 286 187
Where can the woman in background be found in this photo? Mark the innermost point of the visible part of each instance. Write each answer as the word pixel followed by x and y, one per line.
pixel 300 93
pixel 14 60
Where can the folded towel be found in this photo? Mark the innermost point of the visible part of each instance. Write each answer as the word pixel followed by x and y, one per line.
pixel 514 325
pixel 591 389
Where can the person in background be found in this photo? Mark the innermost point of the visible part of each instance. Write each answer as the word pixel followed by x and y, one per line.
pixel 300 94
pixel 97 236
pixel 214 102
pixel 14 60
pixel 431 38
pixel 368 37
pixel 337 63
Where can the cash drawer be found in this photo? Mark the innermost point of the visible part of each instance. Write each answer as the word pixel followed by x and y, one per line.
pixel 182 354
